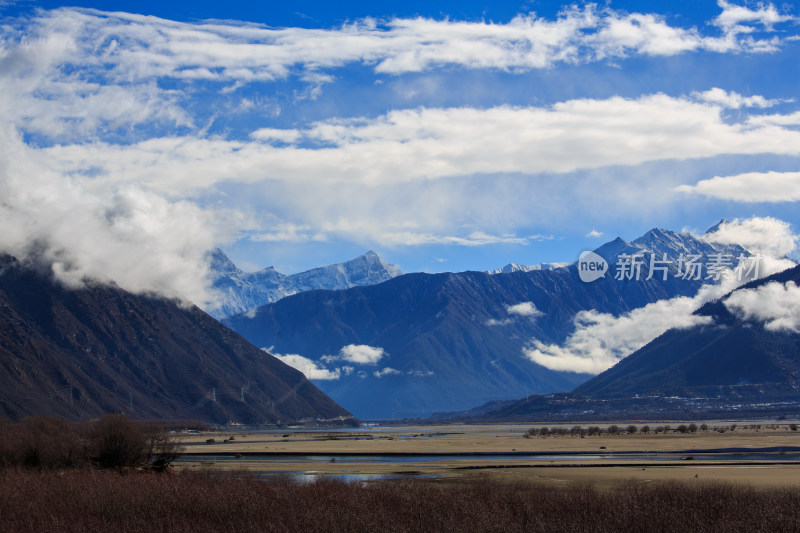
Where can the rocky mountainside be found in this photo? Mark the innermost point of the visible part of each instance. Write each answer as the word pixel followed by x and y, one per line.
pixel 728 353
pixel 733 366
pixel 82 353
pixel 447 342
pixel 241 291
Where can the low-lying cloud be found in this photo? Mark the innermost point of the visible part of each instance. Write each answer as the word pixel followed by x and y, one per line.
pixel 600 340
pixel 775 304
pixel 361 354
pixel 141 240
pixel 523 309
pixel 309 368
pixel 771 237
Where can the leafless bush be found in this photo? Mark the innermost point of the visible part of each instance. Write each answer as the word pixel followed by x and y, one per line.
pixel 113 441
pixel 104 501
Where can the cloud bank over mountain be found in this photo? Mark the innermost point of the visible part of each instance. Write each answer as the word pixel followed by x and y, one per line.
pixel 601 340
pixel 131 145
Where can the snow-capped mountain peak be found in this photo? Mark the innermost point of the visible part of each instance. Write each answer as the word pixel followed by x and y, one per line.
pixel 241 291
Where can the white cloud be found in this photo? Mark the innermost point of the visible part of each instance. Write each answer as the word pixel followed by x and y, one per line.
pixel 361 354
pixel 111 98
pixel 287 232
pixel 310 368
pixel 523 309
pixel 78 70
pixel 776 304
pixel 388 371
pixel 594 234
pixel 600 340
pixel 773 187
pixel 121 232
pixel 476 238
pixel 733 100
pixel 422 144
pixel 733 15
pixel 768 236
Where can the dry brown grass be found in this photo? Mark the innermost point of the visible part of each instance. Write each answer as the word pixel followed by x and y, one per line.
pixel 32 501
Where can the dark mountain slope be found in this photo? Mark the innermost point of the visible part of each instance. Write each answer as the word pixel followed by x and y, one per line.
pixel 99 349
pixel 728 352
pixel 450 339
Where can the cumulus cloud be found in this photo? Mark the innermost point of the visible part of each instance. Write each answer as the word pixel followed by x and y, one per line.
pixel 768 236
pixel 387 371
pixel 122 232
pixel 775 304
pixel 733 15
pixel 309 368
pixel 773 187
pixel 594 234
pixel 734 100
pixel 361 354
pixel 523 309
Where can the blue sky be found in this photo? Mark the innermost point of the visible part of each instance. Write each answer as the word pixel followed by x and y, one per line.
pixel 444 136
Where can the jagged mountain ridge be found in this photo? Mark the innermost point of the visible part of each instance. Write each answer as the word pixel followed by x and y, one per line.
pixel 241 291
pixel 85 352
pixel 451 339
pixel 514 267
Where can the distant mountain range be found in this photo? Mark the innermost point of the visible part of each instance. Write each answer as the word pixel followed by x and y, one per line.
pixel 513 267
pixel 448 342
pixel 241 291
pixel 733 366
pixel 99 349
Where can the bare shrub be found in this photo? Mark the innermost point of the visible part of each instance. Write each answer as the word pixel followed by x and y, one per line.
pixel 115 441
pixel 112 441
pixel 105 501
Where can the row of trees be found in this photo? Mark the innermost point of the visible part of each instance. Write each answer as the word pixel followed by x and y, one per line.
pixel 579 431
pixel 113 441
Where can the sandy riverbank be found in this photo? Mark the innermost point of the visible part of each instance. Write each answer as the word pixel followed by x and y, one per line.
pixel 596 462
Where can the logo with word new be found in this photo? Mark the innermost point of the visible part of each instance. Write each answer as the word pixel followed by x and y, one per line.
pixel 591 267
